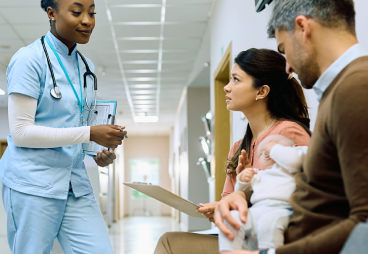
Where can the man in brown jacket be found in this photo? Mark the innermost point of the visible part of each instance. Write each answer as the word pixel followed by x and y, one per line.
pixel 319 41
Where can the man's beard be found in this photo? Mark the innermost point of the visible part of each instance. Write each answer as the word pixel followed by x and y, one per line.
pixel 308 73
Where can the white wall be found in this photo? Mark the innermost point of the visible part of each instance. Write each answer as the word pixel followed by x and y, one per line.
pixel 4 130
pixel 148 147
pixel 191 182
pixel 236 21
pixel 4 127
pixel 361 7
pixel 198 191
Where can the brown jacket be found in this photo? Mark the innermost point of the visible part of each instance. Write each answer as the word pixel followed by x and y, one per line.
pixel 331 196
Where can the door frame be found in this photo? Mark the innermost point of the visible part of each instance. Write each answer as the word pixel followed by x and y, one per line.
pixel 222 122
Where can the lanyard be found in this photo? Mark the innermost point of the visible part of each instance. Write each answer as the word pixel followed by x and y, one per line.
pixel 80 101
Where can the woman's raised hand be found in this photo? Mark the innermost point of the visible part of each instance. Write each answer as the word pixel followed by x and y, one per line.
pixel 107 135
pixel 243 162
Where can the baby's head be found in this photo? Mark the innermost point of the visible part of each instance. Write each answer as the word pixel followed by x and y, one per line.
pixel 264 148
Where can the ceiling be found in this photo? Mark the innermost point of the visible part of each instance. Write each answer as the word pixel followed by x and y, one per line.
pixel 145 52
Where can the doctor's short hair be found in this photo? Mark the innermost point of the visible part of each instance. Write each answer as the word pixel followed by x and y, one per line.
pixel 329 13
pixel 48 3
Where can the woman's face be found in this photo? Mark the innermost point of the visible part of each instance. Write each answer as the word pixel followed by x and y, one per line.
pixel 74 21
pixel 240 92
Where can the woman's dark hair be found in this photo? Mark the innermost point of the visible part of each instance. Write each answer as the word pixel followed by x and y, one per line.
pixel 48 3
pixel 285 100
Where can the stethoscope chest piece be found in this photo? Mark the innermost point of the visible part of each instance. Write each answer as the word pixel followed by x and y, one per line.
pixel 55 93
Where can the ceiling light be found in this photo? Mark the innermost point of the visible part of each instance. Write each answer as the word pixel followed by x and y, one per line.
pixel 141 91
pixel 139 38
pixel 142 86
pixel 139 51
pixel 140 62
pixel 136 6
pixel 141 79
pixel 145 112
pixel 138 23
pixel 146 119
pixel 144 102
pixel 143 97
pixel 142 106
pixel 141 71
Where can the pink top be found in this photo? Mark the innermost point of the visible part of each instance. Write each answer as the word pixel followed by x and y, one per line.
pixel 285 128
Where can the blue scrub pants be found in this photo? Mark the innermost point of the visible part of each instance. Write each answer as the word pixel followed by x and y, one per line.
pixel 34 222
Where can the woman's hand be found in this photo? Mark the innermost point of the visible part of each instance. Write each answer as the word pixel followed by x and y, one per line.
pixel 243 162
pixel 234 201
pixel 208 210
pixel 107 135
pixel 104 158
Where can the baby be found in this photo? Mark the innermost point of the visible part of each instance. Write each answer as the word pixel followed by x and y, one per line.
pixel 272 184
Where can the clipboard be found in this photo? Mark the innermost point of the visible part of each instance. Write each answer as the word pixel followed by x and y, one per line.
pixel 104 113
pixel 167 197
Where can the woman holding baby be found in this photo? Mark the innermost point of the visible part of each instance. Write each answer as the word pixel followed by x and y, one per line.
pixel 274 104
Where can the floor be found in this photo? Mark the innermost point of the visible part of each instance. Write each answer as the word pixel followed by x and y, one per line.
pixel 133 235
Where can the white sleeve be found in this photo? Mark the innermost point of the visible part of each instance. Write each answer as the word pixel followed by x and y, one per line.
pixel 240 186
pixel 289 157
pixel 24 132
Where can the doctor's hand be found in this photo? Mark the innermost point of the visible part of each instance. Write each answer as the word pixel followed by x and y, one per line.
pixel 208 210
pixel 104 158
pixel 234 201
pixel 107 135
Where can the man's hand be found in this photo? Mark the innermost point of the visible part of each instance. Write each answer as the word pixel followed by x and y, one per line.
pixel 234 201
pixel 104 158
pixel 208 210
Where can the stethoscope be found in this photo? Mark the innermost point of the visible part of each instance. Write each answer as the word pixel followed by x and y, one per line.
pixel 55 91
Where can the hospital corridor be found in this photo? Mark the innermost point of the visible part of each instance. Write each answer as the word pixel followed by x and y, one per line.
pixel 128 125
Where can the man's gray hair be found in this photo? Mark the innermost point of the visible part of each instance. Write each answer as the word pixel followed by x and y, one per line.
pixel 329 13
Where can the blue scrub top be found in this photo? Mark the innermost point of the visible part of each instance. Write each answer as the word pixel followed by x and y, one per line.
pixel 47 172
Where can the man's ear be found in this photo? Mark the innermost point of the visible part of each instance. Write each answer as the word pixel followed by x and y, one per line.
pixel 263 92
pixel 303 26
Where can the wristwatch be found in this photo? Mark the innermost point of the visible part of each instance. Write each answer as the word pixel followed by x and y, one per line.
pixel 264 251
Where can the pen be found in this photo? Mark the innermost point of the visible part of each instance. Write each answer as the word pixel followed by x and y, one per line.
pixel 125 136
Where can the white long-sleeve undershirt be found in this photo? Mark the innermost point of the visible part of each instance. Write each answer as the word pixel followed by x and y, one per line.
pixel 24 132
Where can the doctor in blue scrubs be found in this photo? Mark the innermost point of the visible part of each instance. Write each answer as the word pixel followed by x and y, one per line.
pixel 46 190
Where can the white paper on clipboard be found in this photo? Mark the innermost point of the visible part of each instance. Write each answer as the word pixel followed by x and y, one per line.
pixel 167 197
pixel 104 113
